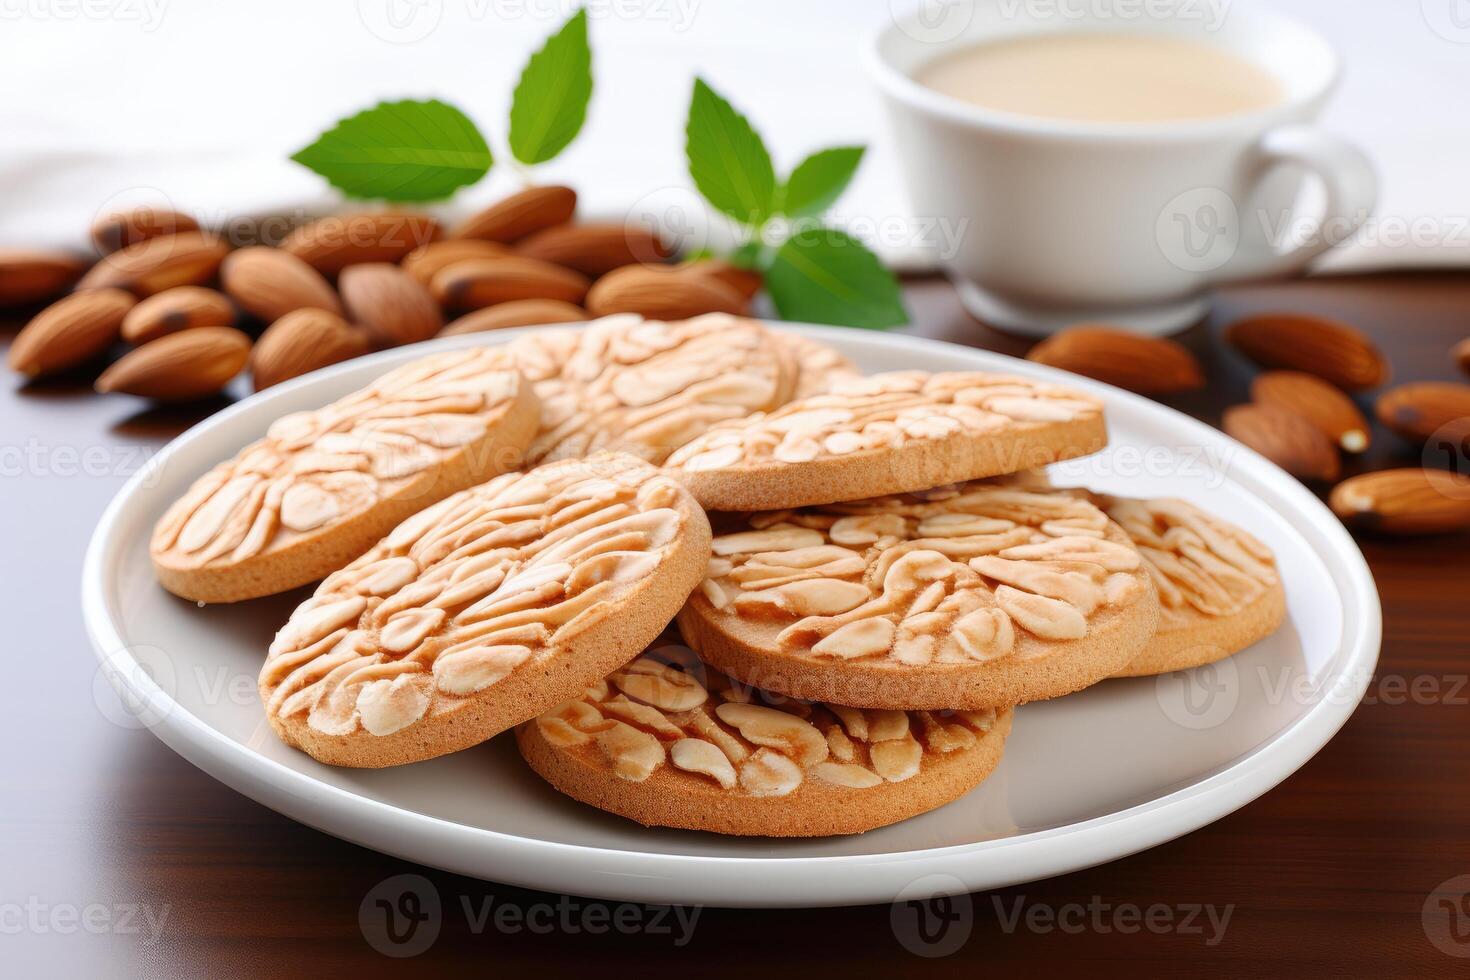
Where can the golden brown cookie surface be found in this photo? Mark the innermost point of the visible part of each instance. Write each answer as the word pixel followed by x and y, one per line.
pixel 483 611
pixel 974 596
pixel 322 486
pixel 666 741
pixel 888 433
pixel 1219 591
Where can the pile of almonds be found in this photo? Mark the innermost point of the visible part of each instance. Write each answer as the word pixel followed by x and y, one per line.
pixel 196 312
pixel 1302 415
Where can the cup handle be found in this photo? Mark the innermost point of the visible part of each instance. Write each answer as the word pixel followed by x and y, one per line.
pixel 1351 190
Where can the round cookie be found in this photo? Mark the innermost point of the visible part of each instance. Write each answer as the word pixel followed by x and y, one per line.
pixel 646 387
pixel 974 596
pixel 885 434
pixel 322 486
pixel 1218 587
pixel 818 366
pixel 483 611
pixel 669 742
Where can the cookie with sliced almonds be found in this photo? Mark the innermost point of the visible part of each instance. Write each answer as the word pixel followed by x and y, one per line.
pixel 646 387
pixel 669 742
pixel 1219 591
pixel 484 611
pixel 819 366
pixel 888 433
pixel 323 486
pixel 974 596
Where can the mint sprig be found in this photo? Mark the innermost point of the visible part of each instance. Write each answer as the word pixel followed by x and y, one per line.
pixel 818 274
pixel 400 151
pixel 550 101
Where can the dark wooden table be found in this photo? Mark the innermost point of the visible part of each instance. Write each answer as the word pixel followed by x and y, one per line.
pixel 107 838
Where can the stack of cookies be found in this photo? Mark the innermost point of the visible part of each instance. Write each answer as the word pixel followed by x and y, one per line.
pixel 711 576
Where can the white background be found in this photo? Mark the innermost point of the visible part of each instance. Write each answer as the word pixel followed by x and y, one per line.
pixel 203 101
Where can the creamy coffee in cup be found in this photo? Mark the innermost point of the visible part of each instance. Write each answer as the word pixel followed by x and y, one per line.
pixel 1113 168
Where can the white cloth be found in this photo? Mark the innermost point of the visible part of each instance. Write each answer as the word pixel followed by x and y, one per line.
pixel 202 101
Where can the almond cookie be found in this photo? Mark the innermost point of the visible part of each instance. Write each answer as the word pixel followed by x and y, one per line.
pixel 625 384
pixel 1218 587
pixel 669 742
pixel 975 596
pixel 818 366
pixel 888 433
pixel 322 486
pixel 483 611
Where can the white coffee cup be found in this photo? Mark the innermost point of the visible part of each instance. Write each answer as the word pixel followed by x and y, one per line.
pixel 1060 222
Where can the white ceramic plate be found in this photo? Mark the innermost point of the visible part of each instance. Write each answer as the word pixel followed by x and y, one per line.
pixel 1120 767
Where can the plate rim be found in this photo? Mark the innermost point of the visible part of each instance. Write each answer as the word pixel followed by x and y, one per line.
pixel 778 882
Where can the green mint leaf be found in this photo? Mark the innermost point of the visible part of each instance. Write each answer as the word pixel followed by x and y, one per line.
pixel 727 160
pixel 822 275
pixel 400 151
pixel 550 101
pixel 819 180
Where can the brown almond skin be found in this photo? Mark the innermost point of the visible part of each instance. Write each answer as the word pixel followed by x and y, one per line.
pixel 129 226
pixel 425 262
pixel 1461 354
pixel 594 249
pixel 70 331
pixel 1322 404
pixel 303 341
pixel 269 283
pixel 1286 439
pixel 1149 365
pixel 661 293
pixel 180 308
pixel 1404 501
pixel 1420 410
pixel 521 214
pixel 29 275
pixel 518 313
pixel 181 366
pixel 1330 349
pixel 331 244
pixel 746 282
pixel 477 283
pixel 391 305
pixel 152 265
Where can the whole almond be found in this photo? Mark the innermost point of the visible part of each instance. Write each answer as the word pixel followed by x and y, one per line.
pixel 70 331
pixel 662 293
pixel 424 262
pixel 520 214
pixel 331 244
pixel 269 283
pixel 303 341
pixel 746 282
pixel 389 303
pixel 477 283
pixel 1461 354
pixel 30 275
pixel 1286 439
pixel 1404 501
pixel 594 249
pixel 181 366
pixel 1152 365
pixel 1328 348
pixel 129 226
pixel 152 265
pixel 1424 409
pixel 180 308
pixel 1320 403
pixel 518 313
